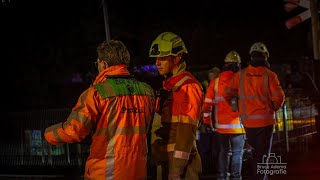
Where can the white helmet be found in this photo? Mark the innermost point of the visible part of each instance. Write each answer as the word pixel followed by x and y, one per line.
pixel 259 47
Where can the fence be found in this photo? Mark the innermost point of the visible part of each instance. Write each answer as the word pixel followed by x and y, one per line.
pixel 296 120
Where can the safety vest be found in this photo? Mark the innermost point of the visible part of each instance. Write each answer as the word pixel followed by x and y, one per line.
pixel 260 95
pixel 226 120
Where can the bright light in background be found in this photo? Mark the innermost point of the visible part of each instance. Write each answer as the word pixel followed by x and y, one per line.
pixel 145 68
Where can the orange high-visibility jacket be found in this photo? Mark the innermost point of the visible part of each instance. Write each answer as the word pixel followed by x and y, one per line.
pixel 226 120
pixel 118 110
pixel 260 95
pixel 180 117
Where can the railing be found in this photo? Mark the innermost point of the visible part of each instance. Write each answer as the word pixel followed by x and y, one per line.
pixel 295 120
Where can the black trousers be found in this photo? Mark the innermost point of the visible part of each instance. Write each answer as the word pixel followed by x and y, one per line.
pixel 261 141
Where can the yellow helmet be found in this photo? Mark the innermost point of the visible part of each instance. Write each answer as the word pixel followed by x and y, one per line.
pixel 232 57
pixel 167 44
pixel 259 47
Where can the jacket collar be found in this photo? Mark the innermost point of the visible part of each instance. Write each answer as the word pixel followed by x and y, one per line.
pixel 173 83
pixel 111 71
pixel 181 69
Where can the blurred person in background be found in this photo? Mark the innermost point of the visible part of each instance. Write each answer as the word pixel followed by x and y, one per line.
pixel 212 73
pixel 206 138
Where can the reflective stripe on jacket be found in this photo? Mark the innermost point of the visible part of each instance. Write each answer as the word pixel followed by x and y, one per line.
pixel 226 120
pixel 260 95
pixel 180 117
pixel 118 110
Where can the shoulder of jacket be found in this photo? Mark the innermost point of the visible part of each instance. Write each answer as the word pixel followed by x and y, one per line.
pixel 89 92
pixel 119 87
pixel 191 83
pixel 270 71
pixel 272 74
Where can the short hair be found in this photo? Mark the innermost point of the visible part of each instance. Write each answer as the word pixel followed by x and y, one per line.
pixel 114 52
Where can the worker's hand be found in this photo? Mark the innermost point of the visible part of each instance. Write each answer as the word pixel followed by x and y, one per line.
pixel 209 128
pixel 174 177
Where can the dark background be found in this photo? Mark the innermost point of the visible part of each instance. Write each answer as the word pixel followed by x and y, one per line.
pixel 44 42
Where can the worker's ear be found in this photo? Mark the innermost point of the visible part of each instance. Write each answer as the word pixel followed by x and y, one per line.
pixel 177 59
pixel 105 65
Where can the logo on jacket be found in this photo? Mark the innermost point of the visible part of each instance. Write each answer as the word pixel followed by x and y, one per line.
pixel 256 75
pixel 132 110
pixel 130 88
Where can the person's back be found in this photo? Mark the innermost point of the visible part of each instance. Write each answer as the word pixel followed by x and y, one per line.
pixel 227 123
pixel 223 113
pixel 259 91
pixel 117 109
pixel 260 96
pixel 262 85
pixel 124 125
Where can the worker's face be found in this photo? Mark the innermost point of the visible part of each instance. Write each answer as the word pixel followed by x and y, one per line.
pixel 212 75
pixel 165 64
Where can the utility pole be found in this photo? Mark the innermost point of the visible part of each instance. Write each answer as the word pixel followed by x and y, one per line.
pixel 106 19
pixel 314 8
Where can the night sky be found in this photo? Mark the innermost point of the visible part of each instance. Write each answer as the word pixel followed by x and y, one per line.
pixel 44 42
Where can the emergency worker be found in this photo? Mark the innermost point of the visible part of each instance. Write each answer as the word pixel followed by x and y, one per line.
pixel 118 110
pixel 207 139
pixel 227 123
pixel 179 108
pixel 212 73
pixel 260 96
